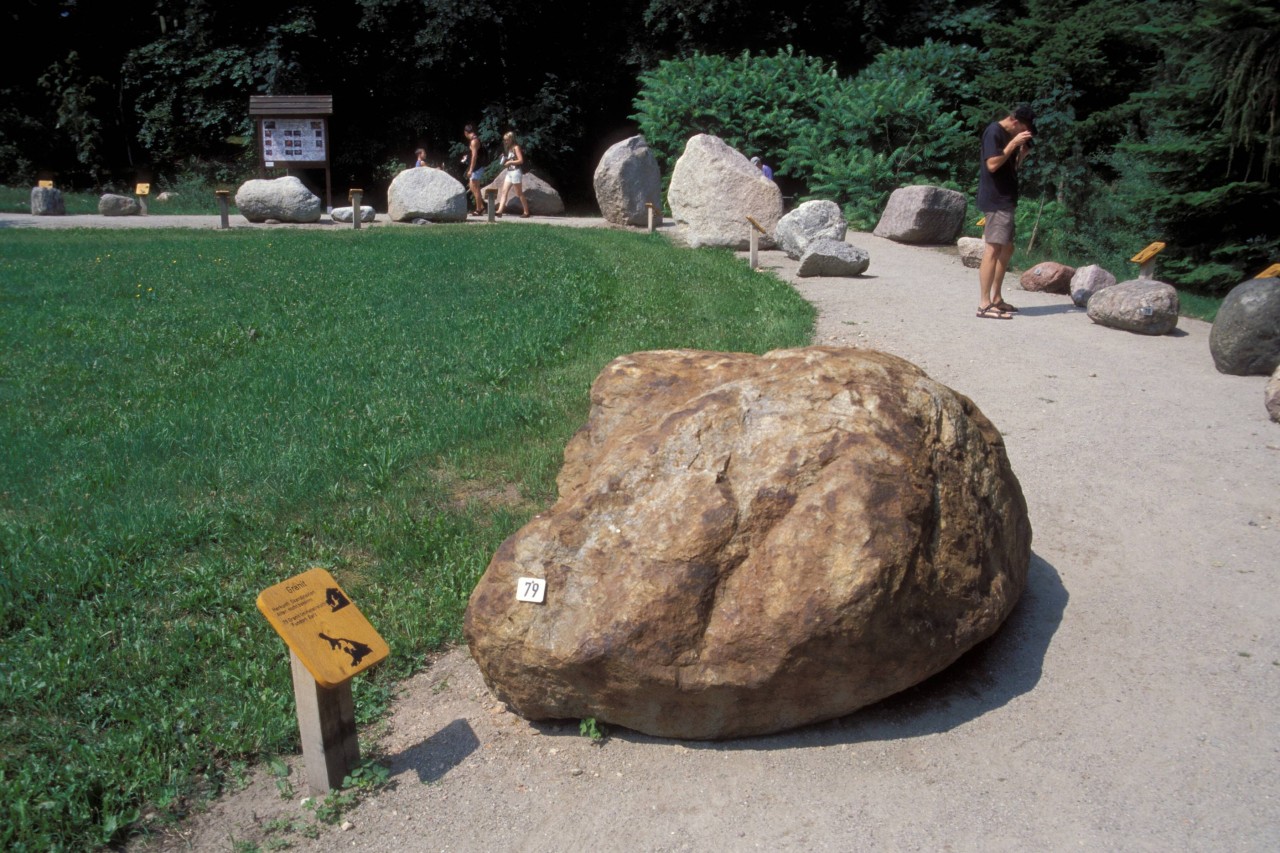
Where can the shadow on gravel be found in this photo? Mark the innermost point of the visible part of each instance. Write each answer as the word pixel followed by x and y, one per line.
pixel 438 754
pixel 1046 310
pixel 987 677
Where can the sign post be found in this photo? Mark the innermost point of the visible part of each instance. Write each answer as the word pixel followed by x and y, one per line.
pixel 142 191
pixel 224 213
pixel 293 130
pixel 356 196
pixel 329 641
pixel 1146 260
pixel 754 242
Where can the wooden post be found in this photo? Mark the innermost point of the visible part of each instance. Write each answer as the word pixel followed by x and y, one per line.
pixel 327 723
pixel 649 206
pixel 1146 260
pixel 489 198
pixel 754 233
pixel 222 196
pixel 356 196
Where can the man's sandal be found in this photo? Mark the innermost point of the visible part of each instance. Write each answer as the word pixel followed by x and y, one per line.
pixel 991 312
pixel 1005 307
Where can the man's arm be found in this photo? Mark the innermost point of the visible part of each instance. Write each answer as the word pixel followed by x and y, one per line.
pixel 1019 148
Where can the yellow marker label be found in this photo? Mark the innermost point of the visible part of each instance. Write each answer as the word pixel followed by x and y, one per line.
pixel 45 185
pixel 1148 253
pixel 142 189
pixel 323 627
pixel 352 192
pixel 982 221
pixel 1272 271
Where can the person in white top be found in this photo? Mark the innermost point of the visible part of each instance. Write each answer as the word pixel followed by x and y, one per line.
pixel 513 164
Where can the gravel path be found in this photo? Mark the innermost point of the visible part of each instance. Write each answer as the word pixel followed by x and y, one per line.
pixel 1131 702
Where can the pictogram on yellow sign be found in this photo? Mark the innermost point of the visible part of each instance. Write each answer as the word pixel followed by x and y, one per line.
pixel 325 630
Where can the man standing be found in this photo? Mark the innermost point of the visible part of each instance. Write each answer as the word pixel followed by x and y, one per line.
pixel 1005 144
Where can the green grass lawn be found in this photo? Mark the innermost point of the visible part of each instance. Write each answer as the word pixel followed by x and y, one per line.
pixel 192 416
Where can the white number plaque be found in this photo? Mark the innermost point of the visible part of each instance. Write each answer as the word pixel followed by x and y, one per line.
pixel 533 590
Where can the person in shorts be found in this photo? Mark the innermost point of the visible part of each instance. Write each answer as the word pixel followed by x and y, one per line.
pixel 474 169
pixel 513 168
pixel 1005 144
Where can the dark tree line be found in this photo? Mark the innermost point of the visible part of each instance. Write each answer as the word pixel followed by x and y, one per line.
pixel 110 90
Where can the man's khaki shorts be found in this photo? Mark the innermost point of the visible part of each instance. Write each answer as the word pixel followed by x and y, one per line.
pixel 999 228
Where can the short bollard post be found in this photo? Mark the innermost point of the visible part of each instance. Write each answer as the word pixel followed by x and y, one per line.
pixel 1146 260
pixel 649 206
pixel 329 642
pixel 327 725
pixel 755 233
pixel 142 191
pixel 490 197
pixel 223 196
pixel 356 195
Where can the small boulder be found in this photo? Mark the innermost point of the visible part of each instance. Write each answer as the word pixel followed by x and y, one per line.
pixel 1272 396
pixel 812 220
pixel 542 197
pixel 1087 281
pixel 744 544
pixel 1145 306
pixel 922 215
pixel 714 188
pixel 347 214
pixel 626 179
pixel 281 199
pixel 47 201
pixel 1245 339
pixel 833 258
pixel 1048 277
pixel 426 193
pixel 971 250
pixel 118 205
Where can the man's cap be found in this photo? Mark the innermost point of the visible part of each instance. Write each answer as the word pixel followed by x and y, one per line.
pixel 755 161
pixel 1026 115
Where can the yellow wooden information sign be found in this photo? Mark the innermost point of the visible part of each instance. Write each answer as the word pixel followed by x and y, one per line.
pixel 1148 253
pixel 323 627
pixel 45 185
pixel 1272 271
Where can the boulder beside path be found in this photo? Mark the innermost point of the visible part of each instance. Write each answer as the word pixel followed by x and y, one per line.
pixel 284 199
pixel 714 188
pixel 744 544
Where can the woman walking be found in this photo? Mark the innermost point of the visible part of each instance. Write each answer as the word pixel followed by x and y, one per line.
pixel 513 163
pixel 472 165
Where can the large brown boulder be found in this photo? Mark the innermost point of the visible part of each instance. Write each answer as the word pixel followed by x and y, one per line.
pixel 743 544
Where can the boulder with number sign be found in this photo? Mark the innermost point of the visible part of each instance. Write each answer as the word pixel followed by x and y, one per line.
pixel 743 544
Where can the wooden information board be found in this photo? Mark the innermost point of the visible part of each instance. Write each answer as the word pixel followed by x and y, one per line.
pixel 322 626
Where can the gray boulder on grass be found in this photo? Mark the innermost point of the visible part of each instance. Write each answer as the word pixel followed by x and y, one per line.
pixel 118 205
pixel 626 178
pixel 47 201
pixel 922 215
pixel 834 259
pixel 1145 306
pixel 426 193
pixel 347 214
pixel 1245 339
pixel 1088 281
pixel 281 199
pixel 743 544
pixel 714 188
pixel 812 220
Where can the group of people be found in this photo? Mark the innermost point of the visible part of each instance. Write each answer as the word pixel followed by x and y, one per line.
pixel 473 166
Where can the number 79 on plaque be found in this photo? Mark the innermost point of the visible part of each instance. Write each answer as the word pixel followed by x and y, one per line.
pixel 533 590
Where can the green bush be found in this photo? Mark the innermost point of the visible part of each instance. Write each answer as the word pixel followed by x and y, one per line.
pixel 850 140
